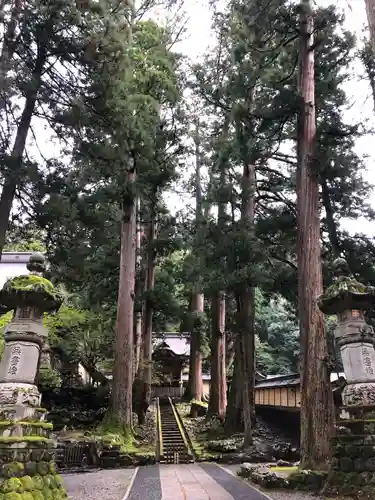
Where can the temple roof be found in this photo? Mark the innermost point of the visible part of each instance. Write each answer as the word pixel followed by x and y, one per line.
pixel 176 342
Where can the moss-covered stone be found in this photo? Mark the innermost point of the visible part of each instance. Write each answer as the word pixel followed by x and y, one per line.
pixel 31 290
pixel 38 495
pixel 27 483
pixel 52 468
pixel 13 484
pixel 58 494
pixel 59 481
pixel 30 468
pixel 47 493
pixel 43 468
pixel 12 496
pixel 345 292
pixel 27 496
pixel 13 469
pixel 35 440
pixel 38 482
pixel 49 482
pixel 29 423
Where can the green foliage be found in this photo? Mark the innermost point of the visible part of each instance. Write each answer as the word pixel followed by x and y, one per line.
pixel 48 379
pixel 277 342
pixel 24 238
pixel 81 335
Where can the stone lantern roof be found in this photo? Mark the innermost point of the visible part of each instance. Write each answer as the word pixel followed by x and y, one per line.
pixel 346 292
pixel 31 290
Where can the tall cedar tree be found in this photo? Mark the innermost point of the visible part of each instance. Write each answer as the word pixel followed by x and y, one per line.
pixel 316 397
pixel 194 389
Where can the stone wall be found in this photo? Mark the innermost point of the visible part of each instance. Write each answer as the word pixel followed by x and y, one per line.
pixel 71 455
pixel 28 472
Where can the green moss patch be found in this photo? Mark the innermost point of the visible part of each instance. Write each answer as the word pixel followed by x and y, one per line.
pixel 31 290
pixel 13 469
pixel 199 403
pixel 38 487
pixel 290 478
pixel 284 469
pixel 201 432
pixel 29 423
pixel 27 439
pixel 30 282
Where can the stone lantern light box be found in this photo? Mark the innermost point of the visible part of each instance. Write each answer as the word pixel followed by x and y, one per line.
pixel 27 469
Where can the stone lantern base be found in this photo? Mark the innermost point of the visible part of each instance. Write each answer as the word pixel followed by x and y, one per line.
pixel 353 466
pixel 27 468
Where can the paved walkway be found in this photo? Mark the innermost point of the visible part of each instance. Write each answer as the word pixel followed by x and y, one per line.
pixel 189 482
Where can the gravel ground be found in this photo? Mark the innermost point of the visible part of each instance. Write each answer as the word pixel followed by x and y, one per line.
pixel 278 495
pixel 99 485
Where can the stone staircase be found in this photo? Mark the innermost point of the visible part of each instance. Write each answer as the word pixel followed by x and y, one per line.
pixel 175 445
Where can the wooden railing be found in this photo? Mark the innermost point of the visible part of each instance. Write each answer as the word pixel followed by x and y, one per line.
pixel 159 431
pixel 167 391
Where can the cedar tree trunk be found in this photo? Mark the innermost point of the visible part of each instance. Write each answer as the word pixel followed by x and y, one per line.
pixel 195 365
pixel 138 314
pixel 218 393
pixel 246 360
pixel 120 411
pixel 233 417
pixel 316 395
pixel 149 309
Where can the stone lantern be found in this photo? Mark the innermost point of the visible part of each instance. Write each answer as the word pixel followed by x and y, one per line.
pixel 26 449
pixel 353 463
pixel 349 300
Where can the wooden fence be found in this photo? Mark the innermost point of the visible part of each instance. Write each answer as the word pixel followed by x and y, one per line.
pixel 167 391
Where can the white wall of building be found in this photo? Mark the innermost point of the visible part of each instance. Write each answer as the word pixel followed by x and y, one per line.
pixel 13 264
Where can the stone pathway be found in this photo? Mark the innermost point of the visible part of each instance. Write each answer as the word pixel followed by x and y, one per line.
pixel 99 485
pixel 170 482
pixel 189 482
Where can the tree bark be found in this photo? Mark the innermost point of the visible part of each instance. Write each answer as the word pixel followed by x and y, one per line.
pixel 233 418
pixel 247 306
pixel 218 389
pixel 194 389
pixel 316 397
pixel 195 365
pixel 13 174
pixel 138 314
pixel 120 412
pixel 149 308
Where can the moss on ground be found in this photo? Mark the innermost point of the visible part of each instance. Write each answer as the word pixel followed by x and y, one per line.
pixel 199 403
pixel 199 433
pixel 284 469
